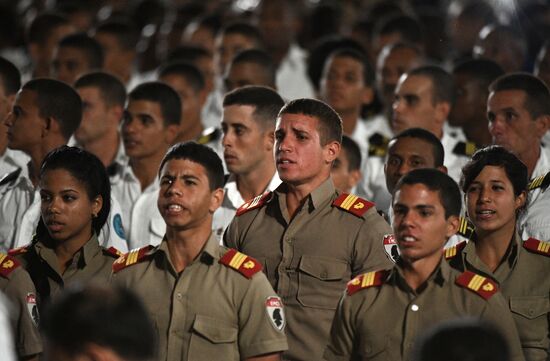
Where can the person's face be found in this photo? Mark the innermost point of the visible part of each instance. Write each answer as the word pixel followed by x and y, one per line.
pixel 491 202
pixel 206 66
pixel 470 103
pixel 47 49
pixel 66 209
pixel 511 125
pixel 299 155
pixel 343 178
pixel 97 117
pixel 25 125
pixel 413 105
pixel 419 223
pixel 501 48
pixel 404 155
pixel 229 45
pixel 246 145
pixel 115 59
pixel 242 74
pixel 185 200
pixel 6 103
pixel 68 64
pixel 343 86
pixel 390 67
pixel 191 100
pixel 274 22
pixel 143 131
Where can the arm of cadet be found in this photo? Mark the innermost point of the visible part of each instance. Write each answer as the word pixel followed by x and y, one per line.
pixel 230 234
pixel 268 357
pixel 368 250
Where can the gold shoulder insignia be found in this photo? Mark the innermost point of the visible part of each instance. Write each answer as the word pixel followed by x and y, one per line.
pixel 7 264
pixel 466 228
pixel 454 250
pixel 254 203
pixel 542 181
pixel 353 204
pixel 112 251
pixel 130 258
pixel 244 264
pixel 19 250
pixel 366 280
pixel 536 246
pixel 378 145
pixel 482 286
pixel 209 135
pixel 465 148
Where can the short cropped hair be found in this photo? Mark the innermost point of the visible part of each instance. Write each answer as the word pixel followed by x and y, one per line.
pixel 10 77
pixel 245 29
pixel 408 28
pixel 188 53
pixel 260 58
pixel 537 95
pixel 353 153
pixel 114 318
pixel 437 181
pixel 57 100
pixel 368 71
pixel 189 72
pixel 167 98
pixel 200 154
pixel 111 90
pixel 86 44
pixel 330 123
pixel 484 71
pixel 497 156
pixel 266 102
pixel 418 133
pixel 125 33
pixel 443 89
pixel 43 25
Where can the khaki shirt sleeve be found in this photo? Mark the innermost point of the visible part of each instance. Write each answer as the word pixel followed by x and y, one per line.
pixel 343 332
pixel 369 252
pixel 259 333
pixel 26 334
pixel 231 233
pixel 498 314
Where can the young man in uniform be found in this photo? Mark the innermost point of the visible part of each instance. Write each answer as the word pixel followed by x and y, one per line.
pixel 250 67
pixel 75 55
pixel 346 169
pixel 311 238
pixel 208 302
pixel 382 312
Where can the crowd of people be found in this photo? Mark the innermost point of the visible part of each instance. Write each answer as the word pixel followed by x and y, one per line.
pixel 274 180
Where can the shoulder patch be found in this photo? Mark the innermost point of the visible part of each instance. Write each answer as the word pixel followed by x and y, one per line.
pixel 130 258
pixel 466 228
pixel 542 181
pixel 536 246
pixel 19 250
pixel 10 177
pixel 112 251
pixel 7 264
pixel 465 148
pixel 454 250
pixel 353 204
pixel 366 280
pixel 482 286
pixel 244 264
pixel 209 135
pixel 390 247
pixel 378 145
pixel 254 203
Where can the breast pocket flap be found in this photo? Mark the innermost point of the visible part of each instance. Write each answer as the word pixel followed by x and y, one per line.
pixel 530 307
pixel 325 269
pixel 212 330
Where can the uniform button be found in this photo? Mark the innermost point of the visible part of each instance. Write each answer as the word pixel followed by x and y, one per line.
pixel 414 308
pixel 179 295
pixel 531 312
pixel 368 349
pixel 323 275
pixel 289 240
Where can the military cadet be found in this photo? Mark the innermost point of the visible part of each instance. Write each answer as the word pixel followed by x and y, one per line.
pixel 75 205
pixel 248 124
pixel 346 169
pixel 207 302
pixel 518 110
pixel 311 238
pixel 96 322
pixel 495 185
pixel 382 313
pixel 45 114
pixel 17 286
pixel 250 67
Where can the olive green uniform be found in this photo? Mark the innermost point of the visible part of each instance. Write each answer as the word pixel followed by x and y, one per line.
pixel 383 322
pixel 524 279
pixel 16 284
pixel 209 311
pixel 309 259
pixel 91 263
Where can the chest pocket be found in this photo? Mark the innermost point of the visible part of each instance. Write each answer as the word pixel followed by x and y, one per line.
pixel 321 281
pixel 374 349
pixel 530 315
pixel 211 339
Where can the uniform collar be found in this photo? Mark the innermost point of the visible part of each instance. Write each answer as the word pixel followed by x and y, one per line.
pixel 314 200
pixel 81 258
pixel 234 197
pixel 209 253
pixel 510 257
pixel 439 276
pixel 543 163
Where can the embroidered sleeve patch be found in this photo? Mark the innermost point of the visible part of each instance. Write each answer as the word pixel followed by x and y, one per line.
pixel 390 247
pixel 353 204
pixel 246 265
pixel 275 312
pixel 482 286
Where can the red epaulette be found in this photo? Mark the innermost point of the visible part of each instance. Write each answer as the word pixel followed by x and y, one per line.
pixel 353 204
pixel 454 250
pixel 19 250
pixel 366 280
pixel 254 203
pixel 130 258
pixel 112 251
pixel 536 246
pixel 482 286
pixel 7 264
pixel 246 265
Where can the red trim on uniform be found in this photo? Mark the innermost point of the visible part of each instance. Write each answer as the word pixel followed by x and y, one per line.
pixel 244 264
